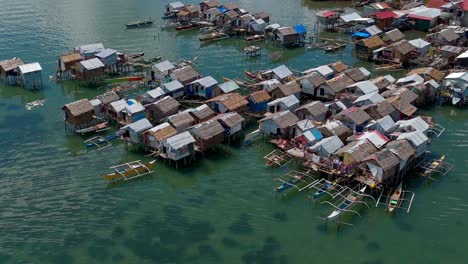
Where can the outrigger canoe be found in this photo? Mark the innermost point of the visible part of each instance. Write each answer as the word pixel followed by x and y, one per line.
pixel 101 141
pixel 434 165
pixel 92 128
pixel 286 185
pixel 327 187
pixel 395 198
pixel 348 202
pixel 130 170
pixel 185 27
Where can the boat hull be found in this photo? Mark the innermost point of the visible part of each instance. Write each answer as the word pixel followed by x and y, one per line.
pixel 129 172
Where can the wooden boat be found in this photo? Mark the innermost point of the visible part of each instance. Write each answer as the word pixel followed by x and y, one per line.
pixel 333 47
pixel 130 170
pixel 395 198
pixel 213 36
pixel 327 187
pixel 140 24
pixel 101 141
pixel 434 166
pixel 93 128
pixel 255 38
pixel 137 55
pixel 293 181
pixel 207 29
pixel 254 76
pixel 347 203
pixel 185 27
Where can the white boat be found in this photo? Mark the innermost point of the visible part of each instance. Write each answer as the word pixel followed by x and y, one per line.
pixel 347 203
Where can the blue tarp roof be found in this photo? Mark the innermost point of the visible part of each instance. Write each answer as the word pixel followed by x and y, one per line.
pixel 360 35
pixel 222 9
pixel 300 29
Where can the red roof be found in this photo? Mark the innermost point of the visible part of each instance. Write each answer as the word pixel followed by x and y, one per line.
pixel 464 5
pixel 436 3
pixel 385 15
pixel 326 13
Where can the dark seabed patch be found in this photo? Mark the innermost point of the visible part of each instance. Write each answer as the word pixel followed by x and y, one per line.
pixel 242 225
pixel 118 231
pixel 280 216
pixel 405 227
pixel 61 258
pixel 195 201
pixel 362 237
pixel 373 261
pixel 209 252
pixel 210 192
pixel 98 252
pixel 117 257
pixel 373 246
pixel 230 243
pixel 268 254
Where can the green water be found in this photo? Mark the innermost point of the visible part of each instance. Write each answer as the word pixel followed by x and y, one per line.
pixel 56 208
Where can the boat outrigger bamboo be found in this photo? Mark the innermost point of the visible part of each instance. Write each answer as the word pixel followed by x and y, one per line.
pixel 95 128
pixel 130 170
pixel 213 36
pixel 395 199
pixel 434 166
pixel 140 24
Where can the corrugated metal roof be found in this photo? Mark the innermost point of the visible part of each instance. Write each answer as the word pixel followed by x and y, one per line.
pixel 390 78
pixel 419 43
pixel 176 5
pixel 119 105
pixel 228 86
pixel 374 97
pixel 373 30
pixel 163 66
pixel 305 124
pixel 133 109
pixel 30 67
pixel 207 81
pixel 139 126
pixel 366 87
pixel 350 17
pixel 425 13
pixel 365 72
pixel 289 101
pixel 463 55
pixel 273 26
pixel 180 140
pixel 90 48
pixel 282 71
pixel 106 53
pixel 95 102
pixel 411 79
pixel 415 124
pixel 173 86
pixel 156 93
pixel 92 64
pixel 386 123
pixel 417 138
pixel 374 137
pixel 323 70
pixel 329 144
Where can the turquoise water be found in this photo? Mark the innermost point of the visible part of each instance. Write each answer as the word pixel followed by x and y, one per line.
pixel 56 208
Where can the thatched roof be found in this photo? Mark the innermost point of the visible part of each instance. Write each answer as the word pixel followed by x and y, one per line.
pixel 403 106
pixel 181 119
pixel 355 74
pixel 185 75
pixel 162 132
pixel 203 112
pixel 355 114
pixel 394 35
pixel 359 149
pixel 259 96
pixel 211 3
pixel 381 82
pixel 8 65
pixel 289 88
pixel 315 79
pixel 384 158
pixel 283 119
pixel 404 47
pixel 79 107
pixel 338 66
pixel 230 119
pixel 208 129
pixel 166 104
pixel 334 128
pixel 314 108
pixel 339 83
pixel 373 42
pixel 71 57
pixel 428 71
pixel 401 148
pixel 384 108
pixel 232 101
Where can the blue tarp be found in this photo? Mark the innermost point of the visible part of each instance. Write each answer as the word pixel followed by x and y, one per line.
pixel 316 134
pixel 222 9
pixel 300 29
pixel 360 35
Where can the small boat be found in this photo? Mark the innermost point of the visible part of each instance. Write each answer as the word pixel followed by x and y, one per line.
pixel 333 47
pixel 213 36
pixel 102 140
pixel 395 198
pixel 286 185
pixel 93 128
pixel 130 170
pixel 185 27
pixel 207 29
pixel 34 104
pixel 140 24
pixel 327 187
pixel 433 167
pixel 253 76
pixel 347 203
pixel 255 38
pixel 136 56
